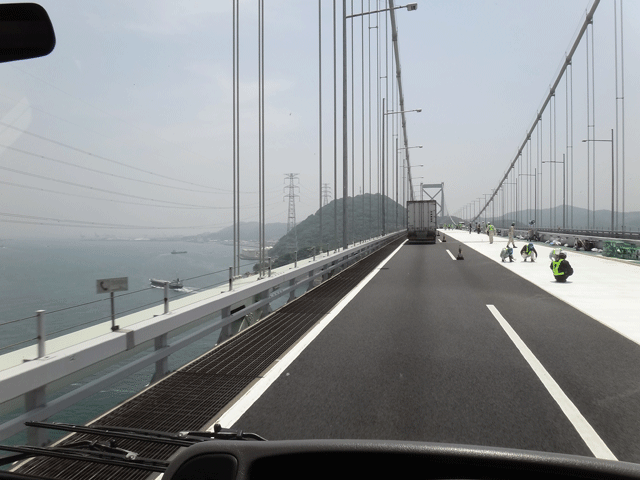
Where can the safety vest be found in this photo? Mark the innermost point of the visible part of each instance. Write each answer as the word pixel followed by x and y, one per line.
pixel 491 228
pixel 526 249
pixel 556 266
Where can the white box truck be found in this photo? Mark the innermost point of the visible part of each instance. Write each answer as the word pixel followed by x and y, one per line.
pixel 422 221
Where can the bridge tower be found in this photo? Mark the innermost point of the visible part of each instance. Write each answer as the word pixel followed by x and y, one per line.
pixel 424 190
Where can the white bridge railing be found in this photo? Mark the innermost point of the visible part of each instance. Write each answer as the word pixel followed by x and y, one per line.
pixel 31 386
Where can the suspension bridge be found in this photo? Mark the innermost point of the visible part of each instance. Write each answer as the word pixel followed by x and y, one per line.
pixel 377 338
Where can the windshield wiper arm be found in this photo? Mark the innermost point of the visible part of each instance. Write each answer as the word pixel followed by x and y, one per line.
pixel 220 433
pixel 117 432
pixel 181 439
pixel 109 453
pixel 89 451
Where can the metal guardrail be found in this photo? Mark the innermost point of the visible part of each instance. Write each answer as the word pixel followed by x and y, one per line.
pixel 606 234
pixel 30 380
pixel 569 236
pixel 88 310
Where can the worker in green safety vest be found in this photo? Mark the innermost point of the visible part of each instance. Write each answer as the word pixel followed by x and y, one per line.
pixel 490 231
pixel 529 251
pixel 561 268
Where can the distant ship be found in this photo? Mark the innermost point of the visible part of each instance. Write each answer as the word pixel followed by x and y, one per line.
pixel 175 251
pixel 175 284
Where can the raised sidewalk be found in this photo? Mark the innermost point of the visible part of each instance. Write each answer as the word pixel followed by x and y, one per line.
pixel 606 289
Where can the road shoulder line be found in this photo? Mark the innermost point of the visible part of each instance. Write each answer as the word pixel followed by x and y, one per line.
pixel 584 429
pixel 233 413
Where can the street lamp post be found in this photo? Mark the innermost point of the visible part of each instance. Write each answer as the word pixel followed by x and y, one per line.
pixel 404 182
pixel 563 189
pixel 414 184
pixel 345 148
pixel 485 207
pixel 516 184
pixel 612 177
pixel 493 206
pixel 410 7
pixel 404 171
pixel 384 114
pixel 535 196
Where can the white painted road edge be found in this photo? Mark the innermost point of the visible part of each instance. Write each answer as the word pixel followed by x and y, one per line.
pixel 451 254
pixel 584 429
pixel 233 414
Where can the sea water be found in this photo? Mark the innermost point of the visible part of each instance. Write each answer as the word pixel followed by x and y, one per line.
pixel 59 276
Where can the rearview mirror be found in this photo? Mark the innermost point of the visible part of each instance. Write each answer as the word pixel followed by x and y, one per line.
pixel 25 32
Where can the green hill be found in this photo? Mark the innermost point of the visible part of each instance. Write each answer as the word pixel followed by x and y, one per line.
pixel 363 222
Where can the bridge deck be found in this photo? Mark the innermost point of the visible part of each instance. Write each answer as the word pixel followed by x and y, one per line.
pixel 194 395
pixel 418 355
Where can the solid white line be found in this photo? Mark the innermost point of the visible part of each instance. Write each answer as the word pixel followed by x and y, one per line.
pixel 233 414
pixel 584 429
pixel 451 255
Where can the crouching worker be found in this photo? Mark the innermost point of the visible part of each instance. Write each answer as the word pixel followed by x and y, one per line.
pixel 528 251
pixel 506 252
pixel 561 268
pixel 553 254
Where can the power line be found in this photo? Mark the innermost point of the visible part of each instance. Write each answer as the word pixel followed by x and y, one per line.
pixel 109 199
pixel 31 219
pixel 99 189
pixel 105 173
pixel 101 110
pixel 120 201
pixel 100 157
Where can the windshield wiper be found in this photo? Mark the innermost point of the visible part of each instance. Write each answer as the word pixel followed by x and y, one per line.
pixel 109 453
pixel 181 439
pixel 85 450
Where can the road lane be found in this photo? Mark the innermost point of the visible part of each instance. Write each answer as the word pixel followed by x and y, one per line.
pixel 418 356
pixel 595 366
pixel 584 429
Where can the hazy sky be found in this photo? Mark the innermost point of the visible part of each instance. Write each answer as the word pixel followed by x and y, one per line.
pixel 128 121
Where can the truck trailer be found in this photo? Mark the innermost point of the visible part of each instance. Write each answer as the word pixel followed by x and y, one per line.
pixel 422 221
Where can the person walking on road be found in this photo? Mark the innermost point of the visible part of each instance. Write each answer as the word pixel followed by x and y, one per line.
pixel 510 242
pixel 490 231
pixel 528 251
pixel 561 268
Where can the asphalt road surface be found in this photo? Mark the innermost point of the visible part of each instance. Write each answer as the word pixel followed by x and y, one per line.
pixel 418 355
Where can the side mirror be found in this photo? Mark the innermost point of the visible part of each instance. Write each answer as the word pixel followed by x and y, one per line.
pixel 25 32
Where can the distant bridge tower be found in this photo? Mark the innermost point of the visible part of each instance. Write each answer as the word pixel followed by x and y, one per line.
pixel 293 178
pixel 326 193
pixel 440 186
